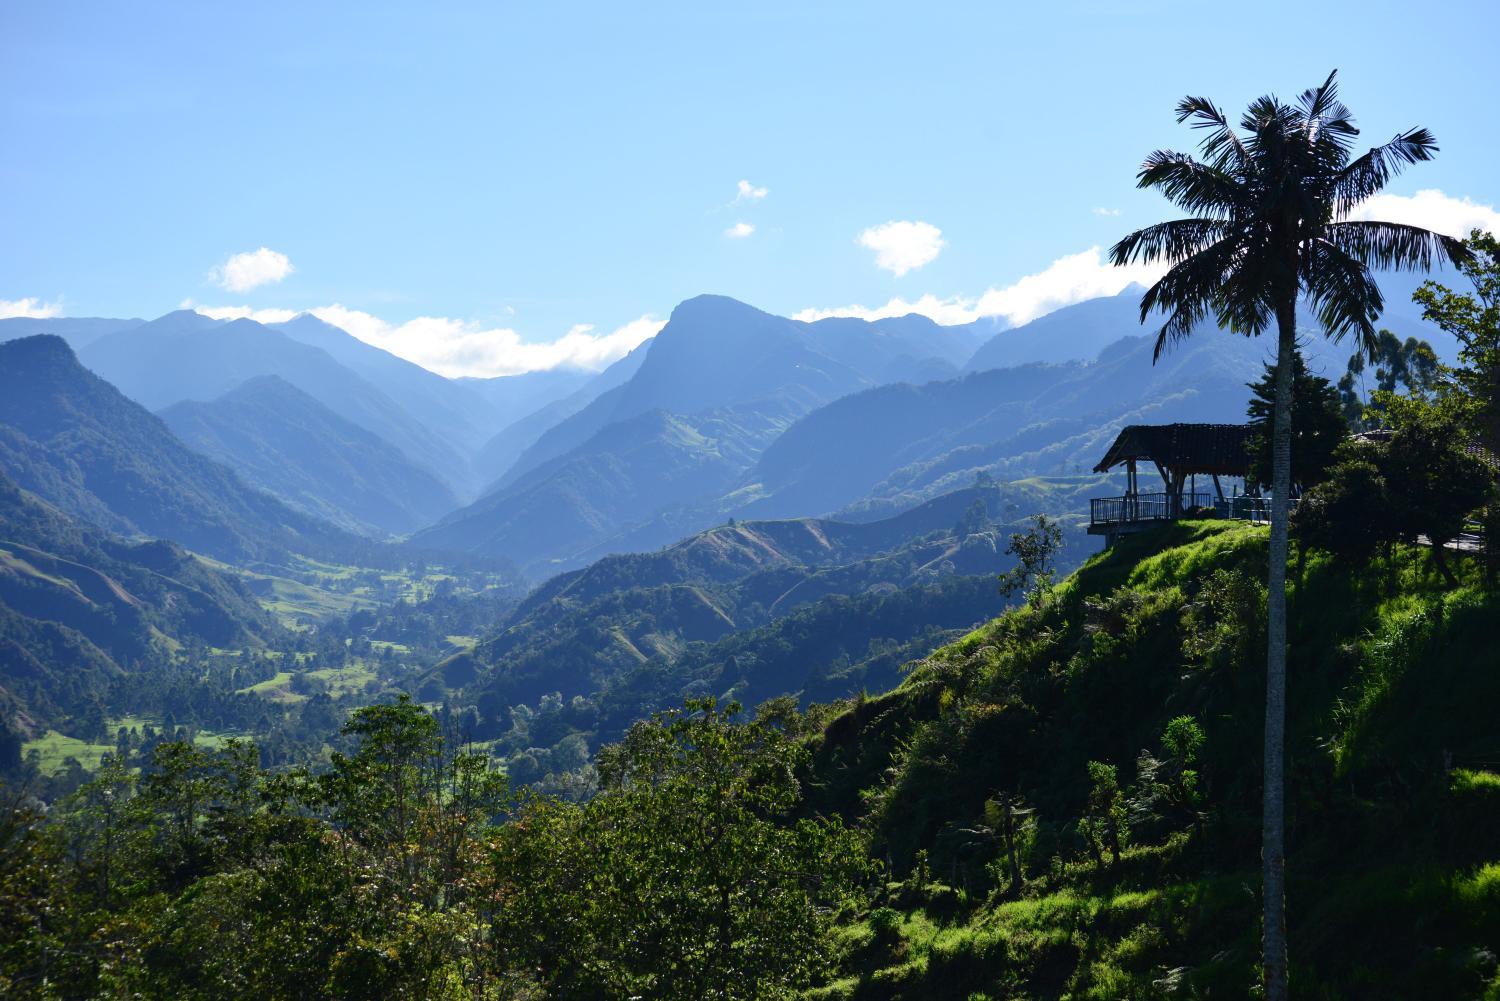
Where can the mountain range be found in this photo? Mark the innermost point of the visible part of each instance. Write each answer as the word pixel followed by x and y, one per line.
pixel 736 609
pixel 285 442
pixel 745 505
pixel 77 442
pixel 729 411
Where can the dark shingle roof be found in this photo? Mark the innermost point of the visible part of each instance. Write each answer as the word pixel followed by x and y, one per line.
pixel 1190 448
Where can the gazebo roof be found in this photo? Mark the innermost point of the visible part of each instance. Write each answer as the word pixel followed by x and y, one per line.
pixel 1211 449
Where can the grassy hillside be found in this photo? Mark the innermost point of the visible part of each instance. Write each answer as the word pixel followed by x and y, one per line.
pixel 79 608
pixel 1394 867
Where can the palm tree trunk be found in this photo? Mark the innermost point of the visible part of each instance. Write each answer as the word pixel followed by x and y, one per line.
pixel 1273 822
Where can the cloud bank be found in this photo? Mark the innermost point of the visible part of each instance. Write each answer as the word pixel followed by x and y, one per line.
pixel 31 307
pixel 1065 281
pixel 463 348
pixel 243 272
pixel 902 246
pixel 1431 209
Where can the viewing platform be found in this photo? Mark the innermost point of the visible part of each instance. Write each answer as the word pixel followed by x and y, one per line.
pixel 1181 453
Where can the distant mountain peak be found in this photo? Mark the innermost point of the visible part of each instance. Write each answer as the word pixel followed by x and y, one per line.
pixel 38 348
pixel 710 306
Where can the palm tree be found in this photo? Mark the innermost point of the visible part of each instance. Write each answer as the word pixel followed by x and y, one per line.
pixel 1267 224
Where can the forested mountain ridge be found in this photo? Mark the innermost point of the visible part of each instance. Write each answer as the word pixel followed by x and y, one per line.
pixel 79 607
pixel 74 440
pixel 285 442
pixel 188 356
pixel 808 607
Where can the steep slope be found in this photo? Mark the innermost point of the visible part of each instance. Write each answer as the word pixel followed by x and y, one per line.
pixel 1392 888
pixel 625 472
pixel 188 356
pixel 449 408
pixel 285 442
pixel 713 353
pixel 77 442
pixel 501 452
pixel 79 607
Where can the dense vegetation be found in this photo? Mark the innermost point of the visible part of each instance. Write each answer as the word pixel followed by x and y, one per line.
pixel 1056 805
pixel 386 875
pixel 1078 719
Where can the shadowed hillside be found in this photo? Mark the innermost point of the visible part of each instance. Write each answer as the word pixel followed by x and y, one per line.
pixel 283 441
pixel 74 440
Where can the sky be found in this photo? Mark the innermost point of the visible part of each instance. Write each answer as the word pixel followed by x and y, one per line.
pixel 501 187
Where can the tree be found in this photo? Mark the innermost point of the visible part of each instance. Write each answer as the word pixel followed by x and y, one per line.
pixel 1268 222
pixel 1318 426
pixel 686 877
pixel 1105 822
pixel 1432 482
pixel 1170 783
pixel 1475 320
pixel 1349 513
pixel 1411 363
pixel 1035 551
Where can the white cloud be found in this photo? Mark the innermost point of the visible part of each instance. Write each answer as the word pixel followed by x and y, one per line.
pixel 747 192
pixel 903 246
pixel 1431 209
pixel 457 348
pixel 1107 212
pixel 243 272
pixel 30 307
pixel 1067 280
pixel 739 230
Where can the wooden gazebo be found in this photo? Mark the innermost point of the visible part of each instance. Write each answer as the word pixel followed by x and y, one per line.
pixel 1179 452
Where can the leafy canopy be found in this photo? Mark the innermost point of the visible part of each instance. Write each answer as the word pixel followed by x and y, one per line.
pixel 1268 219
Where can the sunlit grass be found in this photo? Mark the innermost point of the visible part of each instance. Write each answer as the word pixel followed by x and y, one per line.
pixel 54 748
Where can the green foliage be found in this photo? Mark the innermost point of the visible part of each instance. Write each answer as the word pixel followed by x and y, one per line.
pixel 1473 318
pixel 687 877
pixel 408 870
pixel 1349 513
pixel 1035 551
pixel 1222 627
pixel 1105 821
pixel 1167 787
pixel 1420 484
pixel 1411 364
pixel 1391 674
pixel 1318 425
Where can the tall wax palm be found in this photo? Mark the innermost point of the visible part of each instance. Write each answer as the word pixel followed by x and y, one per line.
pixel 1267 224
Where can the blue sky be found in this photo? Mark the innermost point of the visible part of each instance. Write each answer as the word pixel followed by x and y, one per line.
pixel 541 183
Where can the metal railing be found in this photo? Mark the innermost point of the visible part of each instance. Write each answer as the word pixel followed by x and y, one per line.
pixel 1144 507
